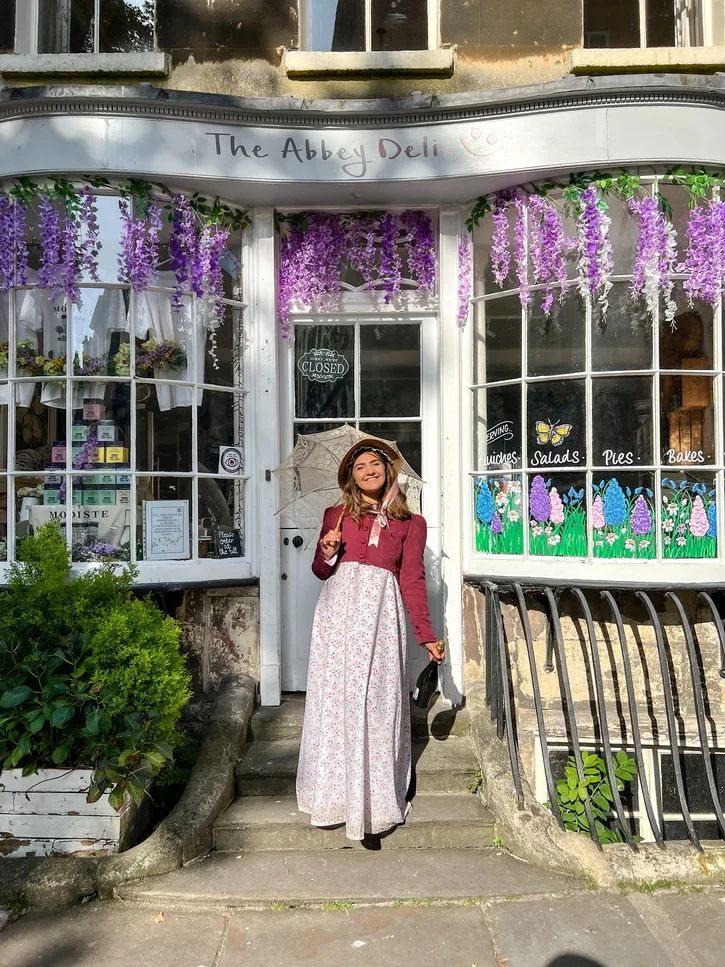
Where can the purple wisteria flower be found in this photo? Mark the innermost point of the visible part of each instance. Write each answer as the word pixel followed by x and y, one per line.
pixel 520 251
pixel 548 246
pixel 88 243
pixel 500 249
pixel 13 249
pixel 656 259
pixel 421 248
pixel 139 253
pixel 69 274
pixel 641 517
pixel 464 280
pixel 362 250
pixel 390 262
pixel 705 256
pixel 539 500
pixel 595 248
pixel 182 246
pixel 51 234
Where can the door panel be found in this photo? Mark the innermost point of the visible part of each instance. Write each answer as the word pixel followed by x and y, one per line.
pixel 392 394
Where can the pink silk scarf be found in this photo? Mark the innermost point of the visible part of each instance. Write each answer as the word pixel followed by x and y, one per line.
pixel 381 519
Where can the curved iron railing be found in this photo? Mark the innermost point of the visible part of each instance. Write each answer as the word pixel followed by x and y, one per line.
pixel 500 697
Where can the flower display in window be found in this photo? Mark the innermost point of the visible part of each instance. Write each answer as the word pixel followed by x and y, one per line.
pixel 499 525
pixel 563 518
pixel 500 248
pixel 13 248
pixel 594 248
pixel 622 520
pixel 656 259
pixel 692 505
pixel 464 280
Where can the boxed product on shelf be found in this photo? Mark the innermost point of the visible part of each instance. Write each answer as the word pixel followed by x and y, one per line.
pixel 93 409
pixel 116 454
pixel 58 451
pixel 79 432
pixel 107 432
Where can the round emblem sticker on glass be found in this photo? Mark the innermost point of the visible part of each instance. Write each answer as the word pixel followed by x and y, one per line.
pixel 230 460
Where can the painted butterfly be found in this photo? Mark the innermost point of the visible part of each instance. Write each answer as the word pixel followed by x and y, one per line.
pixel 552 433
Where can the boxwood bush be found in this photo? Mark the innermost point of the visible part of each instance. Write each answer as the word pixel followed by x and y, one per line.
pixel 89 675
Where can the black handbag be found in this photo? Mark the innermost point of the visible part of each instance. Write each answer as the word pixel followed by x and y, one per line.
pixel 426 685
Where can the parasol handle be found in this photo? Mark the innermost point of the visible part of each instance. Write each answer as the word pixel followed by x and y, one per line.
pixel 338 525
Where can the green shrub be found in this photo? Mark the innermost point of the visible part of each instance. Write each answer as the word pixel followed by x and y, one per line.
pixel 135 655
pixel 89 676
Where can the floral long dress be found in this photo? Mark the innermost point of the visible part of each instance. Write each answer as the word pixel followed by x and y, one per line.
pixel 354 766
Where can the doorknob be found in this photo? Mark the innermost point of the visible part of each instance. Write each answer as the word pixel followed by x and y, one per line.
pixel 297 541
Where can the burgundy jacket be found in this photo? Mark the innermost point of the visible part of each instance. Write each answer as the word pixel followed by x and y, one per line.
pixel 400 550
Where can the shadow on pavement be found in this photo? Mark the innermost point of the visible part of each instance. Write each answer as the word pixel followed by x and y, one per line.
pixel 574 960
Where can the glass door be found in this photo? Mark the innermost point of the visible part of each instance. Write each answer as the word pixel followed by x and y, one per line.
pixel 371 374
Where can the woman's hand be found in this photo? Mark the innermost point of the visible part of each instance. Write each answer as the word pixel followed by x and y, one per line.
pixel 436 649
pixel 329 544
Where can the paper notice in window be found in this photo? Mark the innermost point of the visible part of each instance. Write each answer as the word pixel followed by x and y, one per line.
pixel 166 530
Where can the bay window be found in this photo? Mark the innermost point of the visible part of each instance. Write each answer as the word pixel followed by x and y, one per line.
pixel 596 436
pixel 122 412
pixel 367 25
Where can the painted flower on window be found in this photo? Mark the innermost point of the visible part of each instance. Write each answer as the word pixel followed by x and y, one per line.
pixel 689 515
pixel 622 520
pixel 563 517
pixel 499 526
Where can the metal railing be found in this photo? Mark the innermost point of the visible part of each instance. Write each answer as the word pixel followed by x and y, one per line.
pixel 500 693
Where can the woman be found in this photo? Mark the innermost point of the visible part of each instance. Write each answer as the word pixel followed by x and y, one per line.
pixel 354 765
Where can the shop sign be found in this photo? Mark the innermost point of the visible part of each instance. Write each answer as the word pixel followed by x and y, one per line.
pixel 227 542
pixel 323 365
pixel 498 456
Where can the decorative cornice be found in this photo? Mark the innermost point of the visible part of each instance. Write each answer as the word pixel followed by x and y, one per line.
pixel 572 93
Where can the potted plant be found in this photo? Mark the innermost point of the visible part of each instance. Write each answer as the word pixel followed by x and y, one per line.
pixel 92 684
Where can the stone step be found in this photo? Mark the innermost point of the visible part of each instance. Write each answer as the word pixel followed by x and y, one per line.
pixel 267 823
pixel 223 882
pixel 270 768
pixel 285 720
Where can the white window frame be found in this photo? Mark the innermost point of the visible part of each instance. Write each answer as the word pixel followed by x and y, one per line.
pixel 304 28
pixel 193 570
pixel 27 23
pixel 614 571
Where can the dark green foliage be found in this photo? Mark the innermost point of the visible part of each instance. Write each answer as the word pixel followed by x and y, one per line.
pixel 89 676
pixel 572 792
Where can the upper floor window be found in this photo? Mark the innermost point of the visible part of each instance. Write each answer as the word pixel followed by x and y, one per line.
pixel 643 23
pixel 83 26
pixel 367 25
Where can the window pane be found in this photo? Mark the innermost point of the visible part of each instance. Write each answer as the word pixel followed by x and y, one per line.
pixel 38 500
pixel 108 215
pixel 691 336
pixel 499 525
pixel 689 515
pixel 557 515
pixel 555 423
pixel 163 434
pixel 389 370
pixel 126 25
pixel 164 518
pixel 687 419
pixel 497 428
pixel 623 338
pixel 556 344
pixel 497 340
pixel 101 429
pixel 325 371
pixel 223 358
pixel 622 421
pixel 697 791
pixel 42 331
pixel 173 340
pixel 405 435
pixel 7 26
pixel 98 333
pixel 337 25
pixel 623 234
pixel 101 517
pixel 221 518
pixel 220 427
pixel 65 26
pixel 483 280
pixel 660 23
pixel 400 25
pixel 623 516
pixel 612 24
pixel 39 423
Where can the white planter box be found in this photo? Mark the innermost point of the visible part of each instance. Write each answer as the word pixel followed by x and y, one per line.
pixel 47 813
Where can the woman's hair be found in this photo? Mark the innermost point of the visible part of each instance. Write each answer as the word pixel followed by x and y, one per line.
pixel 356 507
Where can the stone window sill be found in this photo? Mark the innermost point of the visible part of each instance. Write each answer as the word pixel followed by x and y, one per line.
pixel 308 63
pixel 626 60
pixel 152 62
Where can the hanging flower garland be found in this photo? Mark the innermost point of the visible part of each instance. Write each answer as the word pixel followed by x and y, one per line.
pixel 594 248
pixel 464 280
pixel 655 261
pixel 316 246
pixel 500 249
pixel 70 238
pixel 705 258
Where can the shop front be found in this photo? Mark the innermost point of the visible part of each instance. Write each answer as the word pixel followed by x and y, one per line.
pixel 150 411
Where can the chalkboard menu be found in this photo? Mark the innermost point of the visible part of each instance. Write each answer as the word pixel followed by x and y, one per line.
pixel 227 542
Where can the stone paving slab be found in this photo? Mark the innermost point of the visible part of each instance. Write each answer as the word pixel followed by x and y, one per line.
pixel 581 931
pixel 371 937
pixel 224 880
pixel 691 926
pixel 106 933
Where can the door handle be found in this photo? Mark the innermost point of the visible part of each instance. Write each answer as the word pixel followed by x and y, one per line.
pixel 297 541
